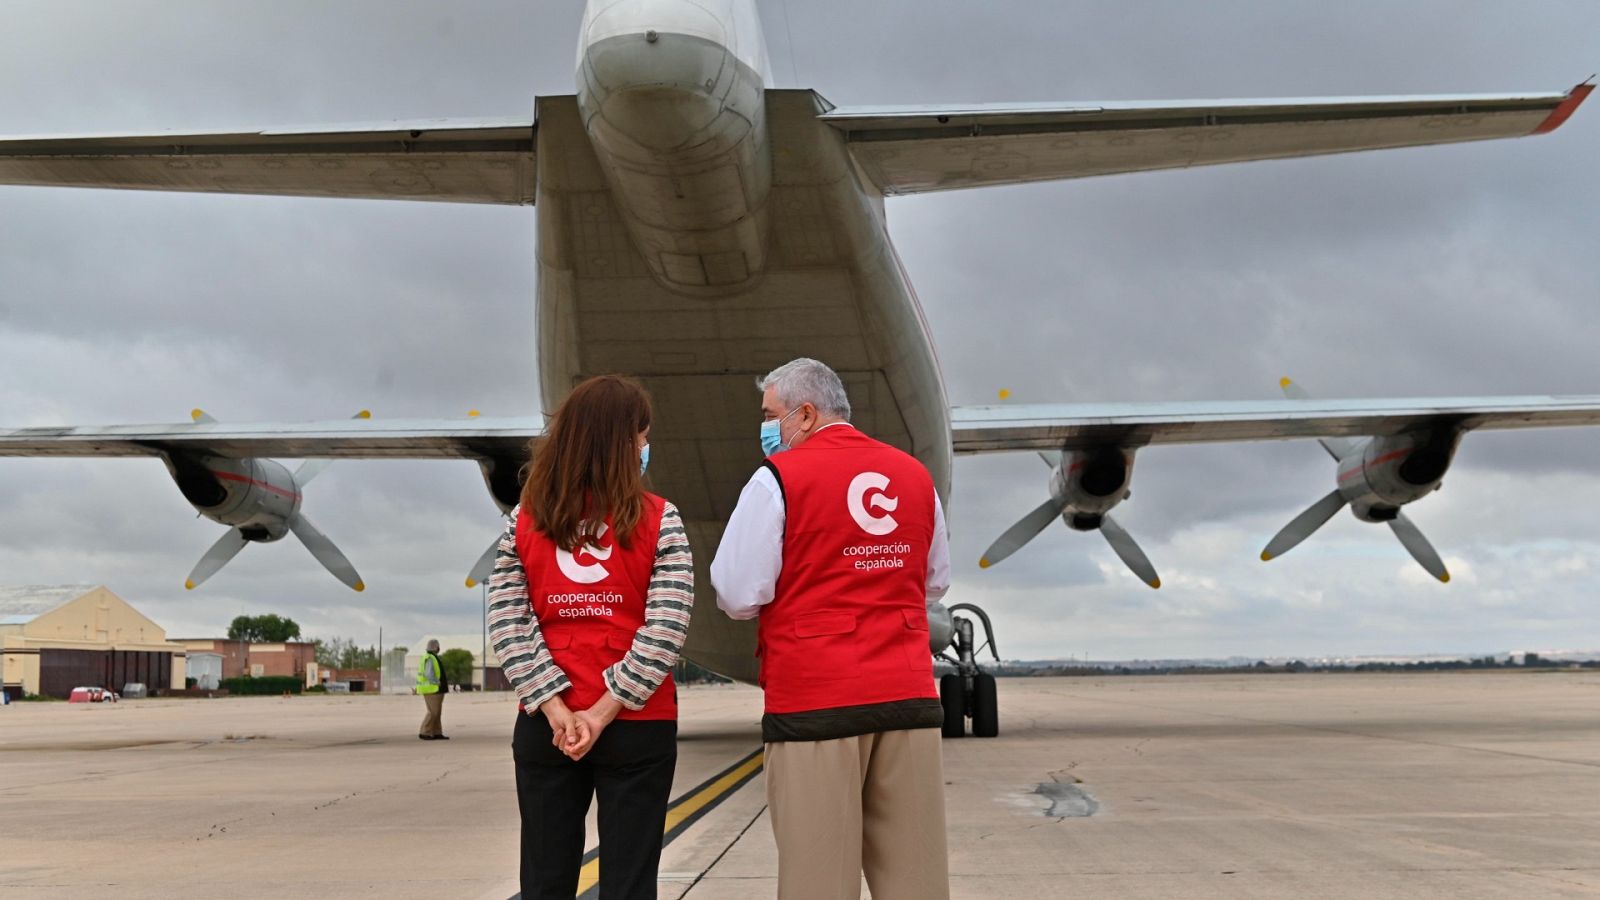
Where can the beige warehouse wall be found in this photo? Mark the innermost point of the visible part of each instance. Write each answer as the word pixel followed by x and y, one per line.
pixel 100 617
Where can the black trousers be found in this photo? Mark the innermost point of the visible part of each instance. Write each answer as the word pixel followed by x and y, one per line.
pixel 630 770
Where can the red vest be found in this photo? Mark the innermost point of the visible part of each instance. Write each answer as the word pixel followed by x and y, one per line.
pixel 849 623
pixel 590 602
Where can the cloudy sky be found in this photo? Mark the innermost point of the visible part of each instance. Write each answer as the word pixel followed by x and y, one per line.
pixel 1440 271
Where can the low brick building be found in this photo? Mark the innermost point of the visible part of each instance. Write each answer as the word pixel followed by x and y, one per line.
pixel 241 658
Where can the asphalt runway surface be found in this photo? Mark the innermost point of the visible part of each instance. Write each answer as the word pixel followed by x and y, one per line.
pixel 1459 785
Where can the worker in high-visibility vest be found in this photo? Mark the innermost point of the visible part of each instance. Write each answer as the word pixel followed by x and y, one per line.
pixel 432 685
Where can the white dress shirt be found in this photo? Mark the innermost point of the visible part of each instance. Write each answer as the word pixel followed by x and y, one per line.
pixel 745 570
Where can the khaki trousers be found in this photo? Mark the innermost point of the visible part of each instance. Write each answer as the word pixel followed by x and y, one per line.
pixel 433 719
pixel 871 804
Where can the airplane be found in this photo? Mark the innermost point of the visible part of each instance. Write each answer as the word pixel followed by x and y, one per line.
pixel 698 227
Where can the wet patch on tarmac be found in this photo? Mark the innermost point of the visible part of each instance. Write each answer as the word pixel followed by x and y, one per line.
pixel 1064 798
pixel 1068 799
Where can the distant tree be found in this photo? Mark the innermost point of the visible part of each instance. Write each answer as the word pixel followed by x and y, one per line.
pixel 268 629
pixel 457 665
pixel 342 653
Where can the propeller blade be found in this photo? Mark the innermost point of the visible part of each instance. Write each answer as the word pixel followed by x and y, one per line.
pixel 1419 548
pixel 1052 458
pixel 484 565
pixel 1022 532
pixel 311 468
pixel 226 548
pixel 1129 551
pixel 325 552
pixel 1303 525
pixel 1338 448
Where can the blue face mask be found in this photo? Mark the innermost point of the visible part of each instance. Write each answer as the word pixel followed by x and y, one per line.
pixel 644 459
pixel 772 435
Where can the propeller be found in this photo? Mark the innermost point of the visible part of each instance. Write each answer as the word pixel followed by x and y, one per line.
pixel 225 549
pixel 1318 513
pixel 1303 525
pixel 262 523
pixel 325 552
pixel 1029 526
pixel 484 566
pixel 1411 538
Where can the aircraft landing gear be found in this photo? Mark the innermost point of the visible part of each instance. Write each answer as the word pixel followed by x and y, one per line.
pixel 969 692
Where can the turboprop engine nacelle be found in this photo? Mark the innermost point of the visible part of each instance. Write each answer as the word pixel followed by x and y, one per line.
pixel 1090 483
pixel 256 496
pixel 1084 486
pixel 1394 470
pixel 1376 477
pixel 259 501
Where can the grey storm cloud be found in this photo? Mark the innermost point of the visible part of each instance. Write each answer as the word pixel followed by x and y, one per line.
pixel 1437 271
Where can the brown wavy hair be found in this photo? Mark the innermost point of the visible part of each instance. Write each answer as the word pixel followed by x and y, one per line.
pixel 586 467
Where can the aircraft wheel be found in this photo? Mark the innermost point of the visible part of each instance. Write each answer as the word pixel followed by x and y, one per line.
pixel 952 695
pixel 985 706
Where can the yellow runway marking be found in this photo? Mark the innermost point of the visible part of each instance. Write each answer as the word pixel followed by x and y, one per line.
pixel 686 809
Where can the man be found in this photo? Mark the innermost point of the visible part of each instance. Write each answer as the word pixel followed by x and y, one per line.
pixel 432 685
pixel 836 545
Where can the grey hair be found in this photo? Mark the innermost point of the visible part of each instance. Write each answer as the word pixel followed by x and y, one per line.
pixel 433 646
pixel 805 380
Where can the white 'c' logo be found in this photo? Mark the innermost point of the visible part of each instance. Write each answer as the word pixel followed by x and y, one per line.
pixel 585 574
pixel 870 522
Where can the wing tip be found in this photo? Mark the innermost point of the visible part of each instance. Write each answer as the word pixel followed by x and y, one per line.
pixel 1566 107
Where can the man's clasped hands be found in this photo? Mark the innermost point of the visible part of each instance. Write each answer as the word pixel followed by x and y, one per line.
pixel 574 733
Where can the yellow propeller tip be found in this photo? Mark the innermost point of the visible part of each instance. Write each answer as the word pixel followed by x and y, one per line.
pixel 1005 394
pixel 359 586
pixel 984 563
pixel 1445 578
pixel 1265 556
pixel 1284 382
pixel 472 582
pixel 473 414
pixel 188 585
pixel 364 414
pixel 196 414
pixel 1155 583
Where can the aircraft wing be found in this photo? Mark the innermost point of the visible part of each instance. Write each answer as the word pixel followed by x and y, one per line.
pixel 479 438
pixel 486 161
pixel 910 150
pixel 992 429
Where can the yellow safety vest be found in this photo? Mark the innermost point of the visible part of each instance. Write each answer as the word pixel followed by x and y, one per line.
pixel 424 686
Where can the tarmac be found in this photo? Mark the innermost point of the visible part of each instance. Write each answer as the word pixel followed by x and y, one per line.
pixel 1460 785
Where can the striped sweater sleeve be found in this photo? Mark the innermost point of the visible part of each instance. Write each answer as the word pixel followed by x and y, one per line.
pixel 514 632
pixel 666 618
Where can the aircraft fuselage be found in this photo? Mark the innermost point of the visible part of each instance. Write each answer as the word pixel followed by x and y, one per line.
pixel 696 230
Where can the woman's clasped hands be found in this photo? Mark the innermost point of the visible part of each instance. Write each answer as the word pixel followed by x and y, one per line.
pixel 575 733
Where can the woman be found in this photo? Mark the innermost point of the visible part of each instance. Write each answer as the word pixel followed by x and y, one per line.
pixel 589 606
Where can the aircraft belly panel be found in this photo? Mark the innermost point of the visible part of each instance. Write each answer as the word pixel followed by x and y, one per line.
pixel 833 290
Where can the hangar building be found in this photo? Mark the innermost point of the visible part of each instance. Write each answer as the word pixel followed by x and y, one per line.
pixel 56 638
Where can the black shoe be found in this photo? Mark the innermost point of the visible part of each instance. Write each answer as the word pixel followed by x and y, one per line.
pixel 425 737
pixel 441 737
